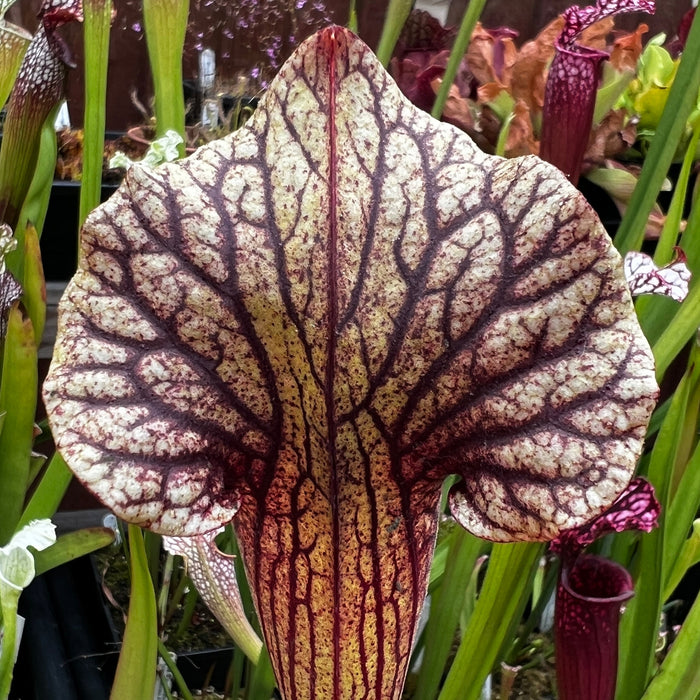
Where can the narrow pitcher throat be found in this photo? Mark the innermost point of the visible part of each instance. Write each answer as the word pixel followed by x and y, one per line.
pixel 339 622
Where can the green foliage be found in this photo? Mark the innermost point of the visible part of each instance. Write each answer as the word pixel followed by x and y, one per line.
pixel 647 93
pixel 448 601
pixel 471 17
pixel 136 670
pixel 98 16
pixel 679 676
pixel 681 101
pixel 165 22
pixel 396 16
pixel 71 546
pixel 18 392
pixel 504 595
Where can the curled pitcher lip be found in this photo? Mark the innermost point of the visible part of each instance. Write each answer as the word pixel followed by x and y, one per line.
pixel 572 85
pixel 591 594
pixel 594 579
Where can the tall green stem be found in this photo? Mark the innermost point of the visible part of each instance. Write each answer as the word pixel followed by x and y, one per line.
pixel 36 203
pixel 471 17
pixel 396 16
pixel 679 677
pixel 352 16
pixel 18 402
pixel 165 22
pixel 136 671
pixel 10 600
pixel 98 15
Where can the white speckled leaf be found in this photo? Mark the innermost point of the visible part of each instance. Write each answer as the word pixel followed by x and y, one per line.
pixel 309 324
pixel 214 576
pixel 645 277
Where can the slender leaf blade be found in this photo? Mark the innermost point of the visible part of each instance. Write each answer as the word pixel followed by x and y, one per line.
pixel 98 16
pixel 71 546
pixel 165 22
pixel 34 287
pixel 446 605
pixel 18 395
pixel 681 101
pixel 640 623
pixel 48 495
pixel 679 675
pixel 500 605
pixel 136 671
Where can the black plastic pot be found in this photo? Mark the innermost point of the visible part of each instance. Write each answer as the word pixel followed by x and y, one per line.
pixel 59 240
pixel 70 647
pixel 67 650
